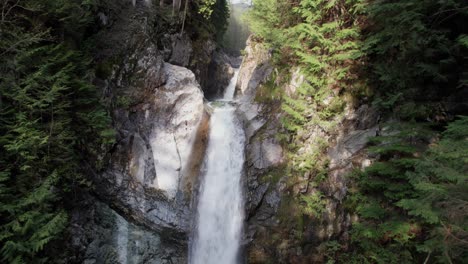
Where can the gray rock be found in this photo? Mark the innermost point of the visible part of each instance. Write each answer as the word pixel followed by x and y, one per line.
pixel 265 153
pixel 158 114
pixel 101 235
pixel 154 156
pixel 220 73
pixel 255 68
pixel 255 195
pixel 181 47
pixel 350 145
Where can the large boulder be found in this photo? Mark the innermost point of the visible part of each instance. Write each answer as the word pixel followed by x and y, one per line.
pixel 155 155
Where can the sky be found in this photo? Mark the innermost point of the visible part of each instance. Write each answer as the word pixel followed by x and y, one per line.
pixel 240 1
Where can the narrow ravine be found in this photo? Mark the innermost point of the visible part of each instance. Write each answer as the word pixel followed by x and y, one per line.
pixel 220 206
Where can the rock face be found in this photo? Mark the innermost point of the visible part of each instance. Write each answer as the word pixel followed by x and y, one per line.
pixel 101 235
pixel 255 68
pixel 212 67
pixel 161 122
pixel 178 48
pixel 263 152
pixel 272 236
pixel 221 71
pixel 348 153
pixel 152 159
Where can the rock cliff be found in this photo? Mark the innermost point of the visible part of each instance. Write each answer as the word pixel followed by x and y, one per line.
pixel 150 75
pixel 273 234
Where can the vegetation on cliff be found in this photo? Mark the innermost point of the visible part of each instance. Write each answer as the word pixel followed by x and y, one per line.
pixel 409 60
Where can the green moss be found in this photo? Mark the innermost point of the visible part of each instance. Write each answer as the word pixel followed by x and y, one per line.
pixel 123 101
pixel 274 175
pixel 269 91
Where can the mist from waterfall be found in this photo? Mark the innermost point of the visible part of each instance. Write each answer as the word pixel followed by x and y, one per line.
pixel 220 204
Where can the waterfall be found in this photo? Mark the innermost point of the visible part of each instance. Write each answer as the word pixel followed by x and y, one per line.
pixel 231 88
pixel 220 205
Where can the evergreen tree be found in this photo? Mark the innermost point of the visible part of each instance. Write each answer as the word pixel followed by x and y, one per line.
pixel 50 121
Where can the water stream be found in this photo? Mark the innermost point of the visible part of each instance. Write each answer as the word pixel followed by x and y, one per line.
pixel 122 239
pixel 220 206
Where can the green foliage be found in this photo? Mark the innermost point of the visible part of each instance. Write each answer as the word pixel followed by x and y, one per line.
pixel 423 39
pixel 219 18
pixel 332 247
pixel 205 7
pixel 270 19
pixel 209 18
pixel 430 187
pixel 50 120
pixel 269 92
pixel 406 57
pixel 313 204
pixel 322 40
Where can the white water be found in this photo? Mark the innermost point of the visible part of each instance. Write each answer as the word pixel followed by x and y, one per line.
pixel 231 88
pixel 220 210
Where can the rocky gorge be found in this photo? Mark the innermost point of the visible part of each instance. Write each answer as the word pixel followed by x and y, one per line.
pixel 142 207
pixel 233 131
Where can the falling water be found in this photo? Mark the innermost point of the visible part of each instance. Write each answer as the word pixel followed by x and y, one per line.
pixel 230 89
pixel 220 211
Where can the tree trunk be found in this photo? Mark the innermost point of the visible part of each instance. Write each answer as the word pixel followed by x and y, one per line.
pixel 185 15
pixel 175 7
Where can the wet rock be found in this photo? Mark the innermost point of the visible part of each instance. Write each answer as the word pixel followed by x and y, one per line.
pixel 221 72
pixel 365 117
pixel 100 235
pixel 161 124
pixel 256 193
pixel 251 113
pixel 235 62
